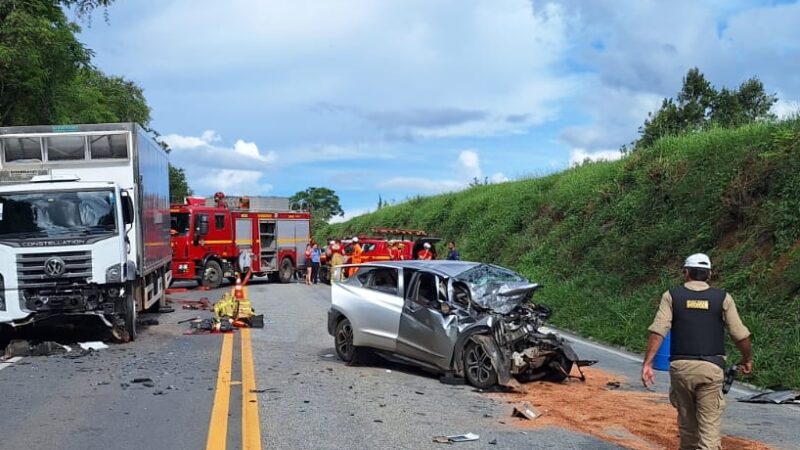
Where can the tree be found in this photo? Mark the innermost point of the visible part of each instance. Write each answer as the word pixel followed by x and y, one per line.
pixel 178 186
pixel 698 105
pixel 46 75
pixel 323 202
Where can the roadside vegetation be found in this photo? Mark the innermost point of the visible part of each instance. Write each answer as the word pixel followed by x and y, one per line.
pixel 607 238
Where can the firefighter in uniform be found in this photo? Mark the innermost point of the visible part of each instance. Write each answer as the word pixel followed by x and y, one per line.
pixel 698 315
pixel 355 257
pixel 425 254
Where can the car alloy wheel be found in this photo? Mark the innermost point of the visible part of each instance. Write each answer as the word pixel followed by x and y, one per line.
pixel 344 341
pixel 478 366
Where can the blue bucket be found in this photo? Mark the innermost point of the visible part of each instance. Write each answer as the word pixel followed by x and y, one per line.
pixel 661 361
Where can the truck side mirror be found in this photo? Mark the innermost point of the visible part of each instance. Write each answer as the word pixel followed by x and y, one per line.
pixel 127 208
pixel 202 225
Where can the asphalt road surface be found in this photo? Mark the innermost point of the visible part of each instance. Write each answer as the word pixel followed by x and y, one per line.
pixel 279 387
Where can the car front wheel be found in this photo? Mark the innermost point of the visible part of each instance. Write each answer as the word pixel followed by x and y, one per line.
pixel 478 367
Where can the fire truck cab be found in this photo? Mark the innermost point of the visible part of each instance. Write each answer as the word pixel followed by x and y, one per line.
pixel 213 240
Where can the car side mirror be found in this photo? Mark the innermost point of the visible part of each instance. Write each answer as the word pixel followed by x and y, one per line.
pixel 127 208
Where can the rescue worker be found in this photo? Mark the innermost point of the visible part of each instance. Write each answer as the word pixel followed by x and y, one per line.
pixel 697 314
pixel 452 253
pixel 337 254
pixel 401 254
pixel 394 252
pixel 355 256
pixel 425 254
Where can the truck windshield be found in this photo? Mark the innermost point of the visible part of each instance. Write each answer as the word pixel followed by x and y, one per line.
pixel 63 214
pixel 179 224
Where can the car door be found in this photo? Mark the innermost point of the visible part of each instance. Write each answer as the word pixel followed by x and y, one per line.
pixel 426 334
pixel 371 299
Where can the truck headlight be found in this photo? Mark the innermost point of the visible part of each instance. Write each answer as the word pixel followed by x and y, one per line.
pixel 114 274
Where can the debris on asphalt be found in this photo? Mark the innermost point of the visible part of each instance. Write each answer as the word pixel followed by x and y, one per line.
pixel 493 442
pixel 202 304
pixel 257 391
pixel 469 437
pixel 525 411
pixel 378 421
pixel 26 348
pixel 328 355
pixel 93 345
pixel 774 398
pixel 419 393
pixel 159 392
pixel 148 322
pixel 144 381
pixel 613 385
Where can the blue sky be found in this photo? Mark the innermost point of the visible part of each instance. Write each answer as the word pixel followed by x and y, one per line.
pixel 400 98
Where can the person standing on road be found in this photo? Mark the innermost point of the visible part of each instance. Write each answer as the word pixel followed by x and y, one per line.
pixel 425 254
pixel 355 257
pixel 308 263
pixel 452 253
pixel 697 314
pixel 316 255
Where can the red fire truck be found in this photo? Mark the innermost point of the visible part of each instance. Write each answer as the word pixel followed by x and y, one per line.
pixel 214 239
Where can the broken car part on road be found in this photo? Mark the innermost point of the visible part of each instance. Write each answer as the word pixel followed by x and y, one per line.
pixel 466 319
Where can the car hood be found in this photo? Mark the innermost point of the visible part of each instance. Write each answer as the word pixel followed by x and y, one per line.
pixel 502 298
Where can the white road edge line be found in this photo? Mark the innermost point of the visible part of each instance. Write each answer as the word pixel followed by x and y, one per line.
pixel 9 361
pixel 634 358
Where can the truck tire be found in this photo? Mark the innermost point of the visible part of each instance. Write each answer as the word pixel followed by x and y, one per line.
pixel 286 270
pixel 212 275
pixel 129 316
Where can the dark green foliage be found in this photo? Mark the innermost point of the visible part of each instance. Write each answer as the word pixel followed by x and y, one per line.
pixel 699 106
pixel 178 186
pixel 323 203
pixel 606 239
pixel 46 76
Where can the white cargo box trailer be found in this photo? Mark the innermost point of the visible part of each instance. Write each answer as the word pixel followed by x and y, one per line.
pixel 84 224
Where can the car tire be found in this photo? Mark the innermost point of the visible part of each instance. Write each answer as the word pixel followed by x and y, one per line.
pixel 212 275
pixel 343 341
pixel 478 368
pixel 558 369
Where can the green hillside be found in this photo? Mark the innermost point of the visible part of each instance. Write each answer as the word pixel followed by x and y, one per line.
pixel 606 239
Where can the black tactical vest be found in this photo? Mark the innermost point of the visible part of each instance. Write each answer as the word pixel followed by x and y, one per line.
pixel 698 328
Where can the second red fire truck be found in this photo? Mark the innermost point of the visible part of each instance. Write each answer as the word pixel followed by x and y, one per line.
pixel 212 240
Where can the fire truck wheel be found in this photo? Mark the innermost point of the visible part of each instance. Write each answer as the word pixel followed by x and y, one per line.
pixel 212 275
pixel 286 270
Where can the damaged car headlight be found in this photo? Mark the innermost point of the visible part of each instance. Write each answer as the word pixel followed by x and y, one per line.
pixel 114 274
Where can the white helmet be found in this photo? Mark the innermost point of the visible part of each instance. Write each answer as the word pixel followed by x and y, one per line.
pixel 332 243
pixel 426 245
pixel 698 261
pixel 355 239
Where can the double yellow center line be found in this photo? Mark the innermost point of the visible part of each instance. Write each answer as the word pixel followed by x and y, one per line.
pixel 251 426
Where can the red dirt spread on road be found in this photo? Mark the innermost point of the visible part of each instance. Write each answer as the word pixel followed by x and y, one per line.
pixel 635 420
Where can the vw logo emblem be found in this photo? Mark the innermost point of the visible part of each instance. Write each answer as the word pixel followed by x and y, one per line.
pixel 54 267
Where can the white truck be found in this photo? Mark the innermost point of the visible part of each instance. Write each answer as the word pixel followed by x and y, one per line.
pixel 84 225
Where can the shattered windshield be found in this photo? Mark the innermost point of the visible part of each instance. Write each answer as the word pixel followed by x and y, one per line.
pixel 496 288
pixel 57 214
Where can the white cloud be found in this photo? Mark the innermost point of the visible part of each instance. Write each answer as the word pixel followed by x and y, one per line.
pixel 499 178
pixel 785 109
pixel 420 184
pixel 579 155
pixel 349 214
pixel 234 182
pixel 250 150
pixel 469 164
pixel 178 142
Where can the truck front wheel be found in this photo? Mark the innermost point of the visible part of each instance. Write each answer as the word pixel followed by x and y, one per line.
pixel 128 311
pixel 286 270
pixel 212 275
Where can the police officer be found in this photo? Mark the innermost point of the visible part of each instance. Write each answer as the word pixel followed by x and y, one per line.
pixel 697 314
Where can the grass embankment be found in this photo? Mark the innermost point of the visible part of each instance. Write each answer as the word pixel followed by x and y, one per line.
pixel 606 239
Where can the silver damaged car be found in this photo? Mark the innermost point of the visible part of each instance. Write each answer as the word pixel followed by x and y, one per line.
pixel 461 319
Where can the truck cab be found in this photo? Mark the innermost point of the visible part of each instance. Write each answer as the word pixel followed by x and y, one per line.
pixel 83 224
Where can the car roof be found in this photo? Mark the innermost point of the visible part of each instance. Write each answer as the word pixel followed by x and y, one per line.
pixel 445 267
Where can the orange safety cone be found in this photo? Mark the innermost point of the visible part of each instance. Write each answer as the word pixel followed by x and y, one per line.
pixel 238 290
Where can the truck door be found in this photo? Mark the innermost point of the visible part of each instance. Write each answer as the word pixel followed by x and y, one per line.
pixel 244 236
